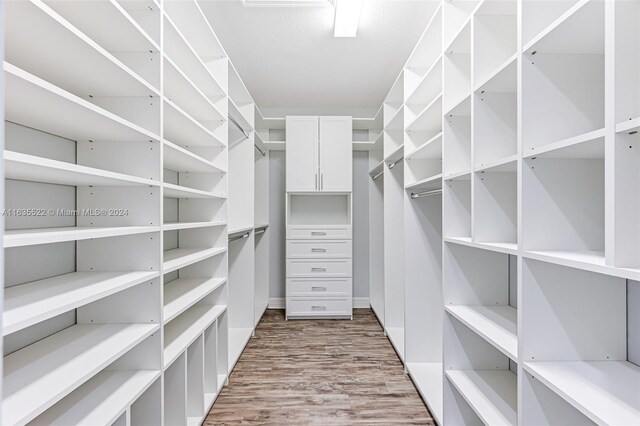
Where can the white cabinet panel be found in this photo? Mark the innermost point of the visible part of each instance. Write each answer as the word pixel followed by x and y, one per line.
pixel 335 154
pixel 302 153
pixel 319 249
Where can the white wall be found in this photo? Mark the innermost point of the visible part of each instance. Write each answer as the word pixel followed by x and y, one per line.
pixel 360 224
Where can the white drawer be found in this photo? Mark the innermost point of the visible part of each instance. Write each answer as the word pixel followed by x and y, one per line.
pixel 299 232
pixel 321 307
pixel 319 249
pixel 334 268
pixel 323 287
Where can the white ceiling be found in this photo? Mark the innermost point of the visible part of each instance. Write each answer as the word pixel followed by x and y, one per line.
pixel 291 63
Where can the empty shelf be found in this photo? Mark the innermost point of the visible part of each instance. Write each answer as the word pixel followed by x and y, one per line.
pixel 182 331
pixel 177 191
pixel 101 400
pixel 377 169
pixel 430 118
pixel 397 121
pixel 33 302
pixel 175 226
pixel 430 150
pixel 238 339
pixel 184 130
pixel 430 183
pixel 178 159
pixel 181 294
pixel 428 379
pixel 37 169
pixel 237 115
pixel 628 126
pixel 41 374
pixel 496 324
pixel 593 261
pixel 29 237
pixel 492 394
pixel 396 155
pixel 35 103
pixel 608 392
pixel 507 248
pixel 181 257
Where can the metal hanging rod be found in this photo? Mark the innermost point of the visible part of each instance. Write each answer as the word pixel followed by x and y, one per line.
pixel 240 237
pixel 392 165
pixel 378 175
pixel 415 195
pixel 260 231
pixel 246 135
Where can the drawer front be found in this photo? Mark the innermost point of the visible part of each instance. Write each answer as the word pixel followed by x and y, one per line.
pixel 311 287
pixel 338 268
pixel 319 232
pixel 319 249
pixel 321 307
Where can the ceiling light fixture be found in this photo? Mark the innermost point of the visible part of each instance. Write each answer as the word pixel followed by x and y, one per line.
pixel 347 18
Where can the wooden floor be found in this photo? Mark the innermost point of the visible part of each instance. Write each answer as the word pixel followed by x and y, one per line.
pixel 329 372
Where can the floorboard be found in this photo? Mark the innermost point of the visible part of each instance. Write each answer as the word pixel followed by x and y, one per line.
pixel 320 372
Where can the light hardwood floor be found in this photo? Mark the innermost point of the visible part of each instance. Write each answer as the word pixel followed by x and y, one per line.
pixel 321 372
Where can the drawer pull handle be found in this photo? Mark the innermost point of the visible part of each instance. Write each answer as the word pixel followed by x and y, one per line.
pixel 318 269
pixel 318 289
pixel 318 250
pixel 318 308
pixel 318 233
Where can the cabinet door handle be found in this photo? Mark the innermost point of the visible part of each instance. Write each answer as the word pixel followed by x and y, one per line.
pixel 318 250
pixel 318 269
pixel 318 289
pixel 318 233
pixel 318 308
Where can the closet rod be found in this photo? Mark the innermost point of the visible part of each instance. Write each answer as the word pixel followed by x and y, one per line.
pixel 378 175
pixel 240 237
pixel 260 231
pixel 246 135
pixel 425 193
pixel 392 165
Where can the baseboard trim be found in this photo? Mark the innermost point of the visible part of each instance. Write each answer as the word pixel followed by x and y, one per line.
pixel 279 302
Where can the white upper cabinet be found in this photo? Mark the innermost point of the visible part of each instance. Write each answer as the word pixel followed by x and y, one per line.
pixel 302 154
pixel 335 154
pixel 319 155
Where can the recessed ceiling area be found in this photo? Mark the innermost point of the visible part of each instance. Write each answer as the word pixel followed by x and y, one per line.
pixel 291 62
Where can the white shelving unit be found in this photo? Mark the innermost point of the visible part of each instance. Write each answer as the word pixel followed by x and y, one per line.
pixel 121 149
pixel 537 217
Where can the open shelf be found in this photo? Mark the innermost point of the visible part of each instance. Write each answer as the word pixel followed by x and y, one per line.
pixel 495 204
pixel 429 119
pixel 379 168
pixel 427 377
pixel 496 324
pixel 457 69
pixel 563 198
pixel 238 339
pixel 30 303
pixel 184 130
pixel 177 226
pixel 627 62
pixel 182 257
pixel 557 66
pixel 424 165
pixel 494 36
pixel 457 206
pixel 182 91
pixel 186 328
pixel 506 248
pixel 30 237
pixel 457 139
pixel 427 52
pixel 457 15
pixel 181 294
pixel 37 169
pixel 430 183
pixel 43 373
pixel 491 394
pixel 495 116
pixel 95 52
pixel 538 18
pixel 178 191
pixel 207 78
pixel 428 90
pixel 35 103
pixel 109 393
pixel 396 337
pixel 604 391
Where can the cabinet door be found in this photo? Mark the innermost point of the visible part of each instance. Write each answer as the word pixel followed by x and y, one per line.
pixel 336 157
pixel 302 154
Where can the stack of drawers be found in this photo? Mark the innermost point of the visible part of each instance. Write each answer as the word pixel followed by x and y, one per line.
pixel 319 271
